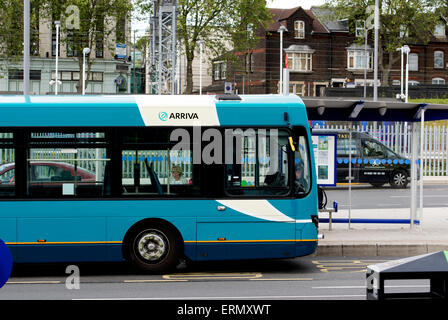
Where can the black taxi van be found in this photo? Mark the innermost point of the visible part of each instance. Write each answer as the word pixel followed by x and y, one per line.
pixel 372 162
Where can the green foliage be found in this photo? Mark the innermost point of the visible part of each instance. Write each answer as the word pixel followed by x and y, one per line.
pixel 401 22
pixel 222 24
pixel 97 21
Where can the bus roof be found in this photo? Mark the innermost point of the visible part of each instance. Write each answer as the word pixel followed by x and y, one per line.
pixel 150 110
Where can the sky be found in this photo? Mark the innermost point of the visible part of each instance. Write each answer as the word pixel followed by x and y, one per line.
pixel 306 4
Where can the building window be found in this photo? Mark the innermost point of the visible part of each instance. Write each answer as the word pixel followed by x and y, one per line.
pixel 438 59
pixel 438 81
pixel 404 32
pixel 99 49
pixel 360 27
pixel 120 31
pixel 15 74
pixel 99 41
pixel 249 66
pixel 299 29
pixel 219 70
pixel 300 61
pixel 413 62
pixel 53 41
pixel 439 30
pixel 74 76
pixel 356 59
pixel 71 51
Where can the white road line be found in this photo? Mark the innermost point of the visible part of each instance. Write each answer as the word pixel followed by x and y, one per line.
pixel 363 287
pixel 424 196
pixel 33 282
pixel 236 298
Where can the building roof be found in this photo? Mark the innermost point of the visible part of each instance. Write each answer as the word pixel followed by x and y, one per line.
pixel 325 17
pixel 279 15
pixel 317 25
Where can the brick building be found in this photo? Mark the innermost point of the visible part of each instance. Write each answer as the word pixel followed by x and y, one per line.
pixel 320 52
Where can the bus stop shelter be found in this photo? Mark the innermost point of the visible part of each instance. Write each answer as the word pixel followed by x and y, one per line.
pixel 355 109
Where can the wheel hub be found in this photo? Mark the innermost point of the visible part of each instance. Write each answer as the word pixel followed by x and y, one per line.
pixel 152 246
pixel 399 179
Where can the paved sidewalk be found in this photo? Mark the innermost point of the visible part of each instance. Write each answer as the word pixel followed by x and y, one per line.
pixel 384 239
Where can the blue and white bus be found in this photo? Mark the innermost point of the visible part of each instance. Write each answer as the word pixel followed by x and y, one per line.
pixel 100 178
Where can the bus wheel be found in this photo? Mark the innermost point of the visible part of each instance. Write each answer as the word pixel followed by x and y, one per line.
pixel 399 179
pixel 154 248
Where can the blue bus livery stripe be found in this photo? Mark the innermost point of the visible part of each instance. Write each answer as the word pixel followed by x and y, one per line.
pixel 98 111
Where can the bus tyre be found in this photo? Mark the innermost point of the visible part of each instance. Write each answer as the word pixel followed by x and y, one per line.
pixel 154 248
pixel 399 179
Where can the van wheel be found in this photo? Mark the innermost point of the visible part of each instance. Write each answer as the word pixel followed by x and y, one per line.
pixel 399 179
pixel 154 248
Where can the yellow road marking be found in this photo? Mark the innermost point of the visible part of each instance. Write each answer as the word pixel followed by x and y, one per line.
pixel 157 280
pixel 74 242
pixel 352 266
pixel 283 279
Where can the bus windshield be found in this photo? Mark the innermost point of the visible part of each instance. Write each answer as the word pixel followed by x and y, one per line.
pixel 302 167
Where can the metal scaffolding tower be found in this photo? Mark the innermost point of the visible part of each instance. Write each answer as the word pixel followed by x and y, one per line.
pixel 163 46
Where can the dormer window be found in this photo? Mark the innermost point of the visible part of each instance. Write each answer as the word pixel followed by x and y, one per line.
pixel 404 32
pixel 439 30
pixel 360 28
pixel 299 29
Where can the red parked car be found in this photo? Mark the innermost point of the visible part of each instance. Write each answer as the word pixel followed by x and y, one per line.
pixel 42 172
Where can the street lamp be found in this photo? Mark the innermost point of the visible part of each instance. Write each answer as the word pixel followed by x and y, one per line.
pixel 281 30
pixel 85 52
pixel 56 83
pixel 201 43
pixel 401 75
pixel 404 50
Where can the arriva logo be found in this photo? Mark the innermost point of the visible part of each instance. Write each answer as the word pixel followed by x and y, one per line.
pixel 163 116
pixel 178 116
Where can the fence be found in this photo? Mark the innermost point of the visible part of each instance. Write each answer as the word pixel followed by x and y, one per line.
pixel 398 137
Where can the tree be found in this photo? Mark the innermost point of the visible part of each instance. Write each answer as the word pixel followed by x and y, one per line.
pixel 89 24
pixel 401 22
pixel 221 24
pixel 11 30
pixel 84 24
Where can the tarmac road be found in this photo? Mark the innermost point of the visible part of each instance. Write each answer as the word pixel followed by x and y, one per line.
pixel 305 278
pixel 368 197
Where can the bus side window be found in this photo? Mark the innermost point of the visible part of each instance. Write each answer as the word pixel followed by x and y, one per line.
pixel 7 172
pixel 259 168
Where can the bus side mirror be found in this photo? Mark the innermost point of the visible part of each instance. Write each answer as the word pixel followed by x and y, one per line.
pixel 322 197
